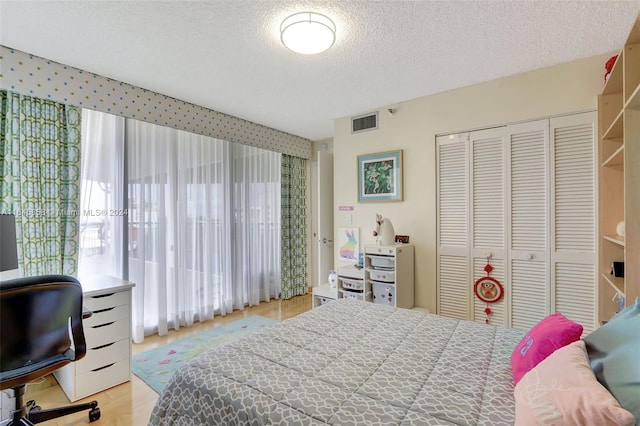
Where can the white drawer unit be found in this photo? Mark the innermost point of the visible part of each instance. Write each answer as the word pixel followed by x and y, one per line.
pixel 384 293
pixel 352 285
pixel 367 297
pixel 107 333
pixel 389 273
pixel 384 276
pixel 324 294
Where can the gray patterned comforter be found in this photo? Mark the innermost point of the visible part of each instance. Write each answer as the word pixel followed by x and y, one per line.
pixel 350 363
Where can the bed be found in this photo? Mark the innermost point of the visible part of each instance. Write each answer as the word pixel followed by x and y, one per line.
pixel 350 362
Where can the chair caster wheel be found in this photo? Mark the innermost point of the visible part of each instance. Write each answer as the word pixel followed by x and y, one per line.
pixel 94 414
pixel 31 406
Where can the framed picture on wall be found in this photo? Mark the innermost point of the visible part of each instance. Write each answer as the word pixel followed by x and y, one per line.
pixel 349 244
pixel 380 176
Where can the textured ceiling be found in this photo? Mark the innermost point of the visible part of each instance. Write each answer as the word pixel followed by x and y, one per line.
pixel 227 55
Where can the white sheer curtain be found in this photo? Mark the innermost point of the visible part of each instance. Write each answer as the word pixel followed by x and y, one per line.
pixel 102 202
pixel 204 226
pixel 256 196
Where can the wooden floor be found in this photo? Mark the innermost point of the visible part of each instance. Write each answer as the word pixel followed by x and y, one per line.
pixel 131 403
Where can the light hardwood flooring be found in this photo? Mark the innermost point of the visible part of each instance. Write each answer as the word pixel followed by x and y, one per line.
pixel 131 403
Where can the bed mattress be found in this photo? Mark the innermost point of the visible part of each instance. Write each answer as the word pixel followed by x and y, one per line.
pixel 350 363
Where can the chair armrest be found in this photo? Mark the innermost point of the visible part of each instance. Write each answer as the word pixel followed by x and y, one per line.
pixel 86 313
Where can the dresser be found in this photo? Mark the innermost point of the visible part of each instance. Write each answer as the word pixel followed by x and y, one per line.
pixel 107 331
pixel 389 272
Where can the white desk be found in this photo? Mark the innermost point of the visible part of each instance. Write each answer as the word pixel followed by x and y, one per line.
pixel 108 336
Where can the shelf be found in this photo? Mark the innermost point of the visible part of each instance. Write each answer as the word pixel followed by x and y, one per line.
pixel 634 33
pixel 619 156
pixel 631 75
pixel 616 283
pixel 616 159
pixel 617 239
pixel 634 99
pixel 616 130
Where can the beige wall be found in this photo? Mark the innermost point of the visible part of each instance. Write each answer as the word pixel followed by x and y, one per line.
pixel 561 89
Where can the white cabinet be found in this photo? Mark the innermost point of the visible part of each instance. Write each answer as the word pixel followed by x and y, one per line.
pixel 352 285
pixel 108 338
pixel 324 294
pixel 389 272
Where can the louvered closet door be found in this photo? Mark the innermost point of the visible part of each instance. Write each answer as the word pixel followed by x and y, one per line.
pixel 573 236
pixel 487 214
pixel 452 202
pixel 528 231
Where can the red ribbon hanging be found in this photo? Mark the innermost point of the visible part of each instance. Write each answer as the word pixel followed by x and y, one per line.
pixel 488 289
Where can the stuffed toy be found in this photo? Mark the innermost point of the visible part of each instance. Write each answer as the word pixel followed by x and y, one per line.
pixel 609 66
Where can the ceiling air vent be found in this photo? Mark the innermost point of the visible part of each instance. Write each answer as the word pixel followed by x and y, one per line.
pixel 365 122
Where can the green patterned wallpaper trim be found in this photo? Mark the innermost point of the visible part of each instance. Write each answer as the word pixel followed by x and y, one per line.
pixel 34 76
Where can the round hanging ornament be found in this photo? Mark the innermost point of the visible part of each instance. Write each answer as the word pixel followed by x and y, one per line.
pixel 488 289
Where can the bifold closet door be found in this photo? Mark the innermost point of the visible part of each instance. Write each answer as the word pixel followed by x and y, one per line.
pixel 471 220
pixel 523 195
pixel 528 231
pixel 573 235
pixel 453 247
pixel 487 217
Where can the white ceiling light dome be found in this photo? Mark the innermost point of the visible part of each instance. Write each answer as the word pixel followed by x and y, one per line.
pixel 308 33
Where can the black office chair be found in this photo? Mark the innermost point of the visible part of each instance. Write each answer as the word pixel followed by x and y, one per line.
pixel 37 316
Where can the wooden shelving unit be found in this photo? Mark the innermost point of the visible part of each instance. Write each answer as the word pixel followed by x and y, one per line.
pixel 619 177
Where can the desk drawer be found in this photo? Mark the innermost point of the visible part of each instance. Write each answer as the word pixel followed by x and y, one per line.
pixel 104 378
pixel 95 303
pixel 106 315
pixel 99 335
pixel 100 356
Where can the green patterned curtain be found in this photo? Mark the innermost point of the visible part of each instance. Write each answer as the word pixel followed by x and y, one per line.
pixel 294 226
pixel 40 168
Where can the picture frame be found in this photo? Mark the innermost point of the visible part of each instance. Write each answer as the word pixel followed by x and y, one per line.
pixel 348 244
pixel 380 176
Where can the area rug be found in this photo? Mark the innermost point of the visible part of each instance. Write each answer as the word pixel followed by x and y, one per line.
pixel 156 366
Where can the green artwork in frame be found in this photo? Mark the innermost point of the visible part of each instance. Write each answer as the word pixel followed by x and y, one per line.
pixel 380 176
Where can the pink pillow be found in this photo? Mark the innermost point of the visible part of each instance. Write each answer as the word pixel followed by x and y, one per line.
pixel 550 334
pixel 562 390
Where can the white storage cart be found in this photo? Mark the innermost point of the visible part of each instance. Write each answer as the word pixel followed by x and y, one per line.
pixel 389 271
pixel 352 285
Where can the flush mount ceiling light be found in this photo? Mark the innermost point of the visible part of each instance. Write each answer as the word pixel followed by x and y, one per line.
pixel 308 33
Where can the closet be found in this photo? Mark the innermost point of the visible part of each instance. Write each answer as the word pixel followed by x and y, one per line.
pixel 521 197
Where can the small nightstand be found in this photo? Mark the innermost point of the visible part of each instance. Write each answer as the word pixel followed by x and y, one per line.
pixel 324 294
